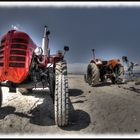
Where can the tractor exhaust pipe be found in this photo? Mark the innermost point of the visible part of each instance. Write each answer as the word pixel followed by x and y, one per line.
pixel 93 50
pixel 45 42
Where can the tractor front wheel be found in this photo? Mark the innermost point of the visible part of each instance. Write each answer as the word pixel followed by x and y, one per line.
pixel 61 101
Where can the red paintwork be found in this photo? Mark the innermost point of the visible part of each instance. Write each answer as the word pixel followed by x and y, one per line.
pixel 15 74
pixel 112 62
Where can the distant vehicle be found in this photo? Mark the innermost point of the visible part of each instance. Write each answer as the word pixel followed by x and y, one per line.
pixel 100 70
pixel 24 65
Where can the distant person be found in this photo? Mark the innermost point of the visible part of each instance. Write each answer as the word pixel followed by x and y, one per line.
pixel 130 69
pixel 125 62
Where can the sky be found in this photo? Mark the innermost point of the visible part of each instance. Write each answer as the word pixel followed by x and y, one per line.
pixel 112 32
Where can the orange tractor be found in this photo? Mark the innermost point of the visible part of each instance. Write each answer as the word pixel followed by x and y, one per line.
pixel 100 70
pixel 23 65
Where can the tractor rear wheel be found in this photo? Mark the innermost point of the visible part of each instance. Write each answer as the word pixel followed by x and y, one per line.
pixel 93 74
pixel 1 97
pixel 61 101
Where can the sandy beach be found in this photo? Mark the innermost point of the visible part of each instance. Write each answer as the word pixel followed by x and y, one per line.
pixel 106 109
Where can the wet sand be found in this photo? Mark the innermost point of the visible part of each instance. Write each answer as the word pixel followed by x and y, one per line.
pixel 106 109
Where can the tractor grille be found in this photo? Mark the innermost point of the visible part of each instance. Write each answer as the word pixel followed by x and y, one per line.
pixel 3 41
pixel 1 47
pixel 19 40
pixel 19 65
pixel 1 64
pixel 17 58
pixel 1 52
pixel 1 55
pixel 18 53
pixel 19 46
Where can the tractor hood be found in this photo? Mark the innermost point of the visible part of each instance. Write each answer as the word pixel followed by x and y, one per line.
pixel 16 49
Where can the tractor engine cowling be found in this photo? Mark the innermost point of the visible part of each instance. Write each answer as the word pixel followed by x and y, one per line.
pixel 16 50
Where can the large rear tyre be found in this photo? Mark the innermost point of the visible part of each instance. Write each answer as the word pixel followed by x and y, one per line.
pixel 93 74
pixel 61 101
pixel 1 97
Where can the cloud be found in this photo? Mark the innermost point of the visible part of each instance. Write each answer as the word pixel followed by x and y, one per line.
pixel 16 26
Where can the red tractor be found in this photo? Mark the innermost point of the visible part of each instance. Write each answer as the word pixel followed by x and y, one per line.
pixel 23 65
pixel 99 71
